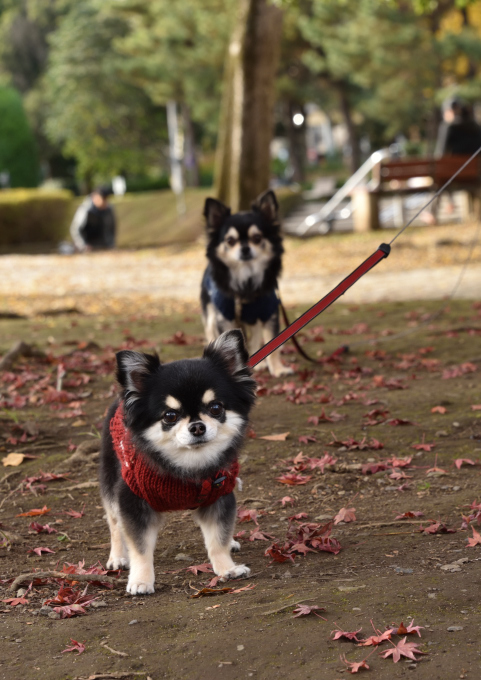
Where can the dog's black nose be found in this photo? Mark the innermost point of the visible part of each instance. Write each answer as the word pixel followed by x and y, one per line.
pixel 197 429
pixel 246 253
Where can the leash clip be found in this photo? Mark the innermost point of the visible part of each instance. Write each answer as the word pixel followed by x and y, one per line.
pixel 218 481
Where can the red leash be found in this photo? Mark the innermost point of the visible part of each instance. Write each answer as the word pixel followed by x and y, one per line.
pixel 382 252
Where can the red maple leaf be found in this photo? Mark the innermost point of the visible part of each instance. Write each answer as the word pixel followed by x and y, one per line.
pixel 287 499
pixel 437 528
pixel 475 540
pixel 200 568
pixel 279 553
pixel 410 514
pixel 338 634
pixel 306 439
pixel 246 515
pixel 423 447
pixel 40 551
pixel 299 516
pixel 300 548
pixel 403 630
pixel 345 515
pixel 398 421
pixel 78 647
pixel 403 648
pixel 257 535
pixel 374 640
pixel 42 528
pixel 35 512
pixel 439 409
pixel 459 461
pixel 306 609
pixel 354 666
pixel 293 479
pixel 75 513
pixel 14 601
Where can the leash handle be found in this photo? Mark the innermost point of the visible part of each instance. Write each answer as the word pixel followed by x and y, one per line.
pixel 381 253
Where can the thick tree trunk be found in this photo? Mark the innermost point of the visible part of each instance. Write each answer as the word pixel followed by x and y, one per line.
pixel 247 120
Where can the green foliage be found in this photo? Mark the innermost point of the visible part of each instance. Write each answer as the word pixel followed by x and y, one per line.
pixel 18 154
pixel 34 216
pixel 107 124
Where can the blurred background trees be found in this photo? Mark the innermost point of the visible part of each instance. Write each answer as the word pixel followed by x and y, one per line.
pixel 328 80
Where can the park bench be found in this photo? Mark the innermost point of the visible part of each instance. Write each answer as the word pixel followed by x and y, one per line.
pixel 399 177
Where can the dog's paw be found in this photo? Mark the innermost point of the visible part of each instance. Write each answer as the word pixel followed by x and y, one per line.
pixel 235 546
pixel 238 571
pixel 117 563
pixel 140 588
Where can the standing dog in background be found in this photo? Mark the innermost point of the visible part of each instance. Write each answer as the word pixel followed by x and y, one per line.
pixel 239 285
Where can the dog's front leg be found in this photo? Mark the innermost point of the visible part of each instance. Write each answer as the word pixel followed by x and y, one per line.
pixel 140 526
pixel 217 524
pixel 274 362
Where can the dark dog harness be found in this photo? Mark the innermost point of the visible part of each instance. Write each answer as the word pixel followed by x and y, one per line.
pixel 259 309
pixel 164 492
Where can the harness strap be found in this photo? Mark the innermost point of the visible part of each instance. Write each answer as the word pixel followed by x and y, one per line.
pixel 381 253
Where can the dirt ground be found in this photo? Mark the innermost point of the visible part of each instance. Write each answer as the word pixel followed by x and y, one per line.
pixel 417 395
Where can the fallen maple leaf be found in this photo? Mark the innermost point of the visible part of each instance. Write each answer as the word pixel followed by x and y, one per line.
pixel 35 512
pixel 279 553
pixel 287 499
pixel 246 515
pixel 200 568
pixel 78 647
pixel 410 514
pixel 42 529
pixel 374 640
pixel 403 630
pixel 276 437
pixel 14 601
pixel 306 609
pixel 475 407
pixel 257 535
pixel 439 409
pixel 403 648
pixel 293 479
pixel 436 528
pixel 354 666
pixel 459 461
pixel 475 540
pixel 345 515
pixel 338 634
pixel 398 421
pixel 39 551
pixel 251 586
pixel 306 439
pixel 75 513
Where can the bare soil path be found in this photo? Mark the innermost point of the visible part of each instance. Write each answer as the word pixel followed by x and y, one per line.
pixel 379 430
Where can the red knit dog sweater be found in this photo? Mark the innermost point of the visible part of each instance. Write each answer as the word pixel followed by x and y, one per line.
pixel 163 492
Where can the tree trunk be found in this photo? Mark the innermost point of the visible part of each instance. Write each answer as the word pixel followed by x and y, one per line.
pixel 247 118
pixel 190 155
pixel 351 128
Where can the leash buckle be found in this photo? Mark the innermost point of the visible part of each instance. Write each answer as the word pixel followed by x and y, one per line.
pixel 218 481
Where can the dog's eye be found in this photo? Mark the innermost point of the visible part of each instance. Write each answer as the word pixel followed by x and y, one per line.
pixel 255 239
pixel 231 241
pixel 170 417
pixel 216 409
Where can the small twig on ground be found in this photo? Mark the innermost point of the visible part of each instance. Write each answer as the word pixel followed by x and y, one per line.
pixel 67 577
pixel 287 606
pixel 83 485
pixel 113 674
pixel 20 349
pixel 114 651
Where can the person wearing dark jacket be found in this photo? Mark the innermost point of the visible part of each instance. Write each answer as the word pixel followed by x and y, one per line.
pixel 93 226
pixel 459 134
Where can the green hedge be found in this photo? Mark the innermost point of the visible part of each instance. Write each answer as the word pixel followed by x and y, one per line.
pixel 34 216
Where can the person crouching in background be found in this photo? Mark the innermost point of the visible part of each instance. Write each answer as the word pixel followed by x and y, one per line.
pixel 93 226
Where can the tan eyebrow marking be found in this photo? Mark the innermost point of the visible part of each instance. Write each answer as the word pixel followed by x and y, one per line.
pixel 232 233
pixel 253 230
pixel 172 402
pixel 209 396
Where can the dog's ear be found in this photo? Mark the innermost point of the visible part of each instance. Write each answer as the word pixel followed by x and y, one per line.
pixel 132 370
pixel 215 214
pixel 267 204
pixel 230 349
